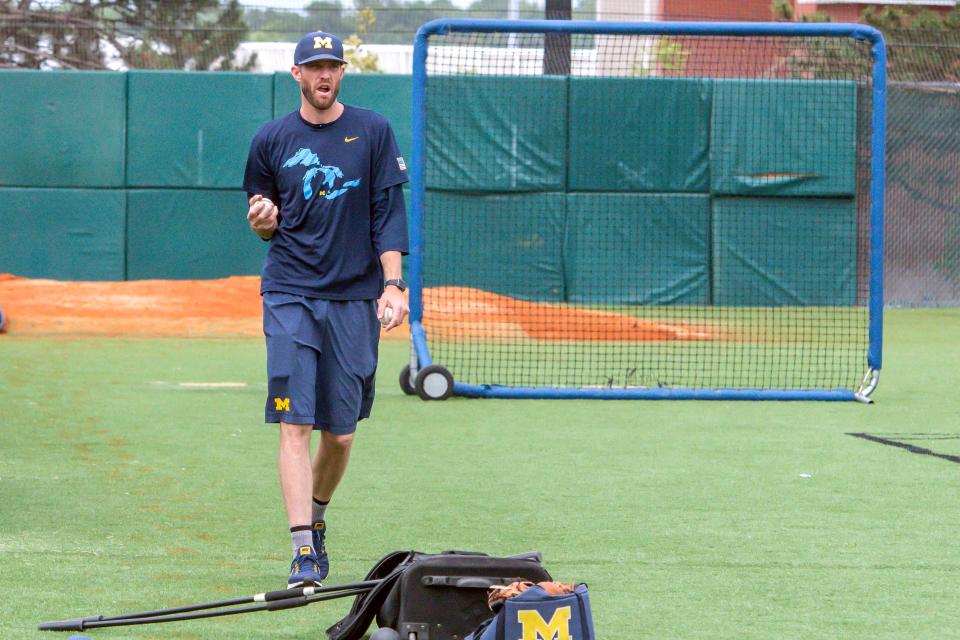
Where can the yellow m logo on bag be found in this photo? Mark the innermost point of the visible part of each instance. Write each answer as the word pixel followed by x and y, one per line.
pixel 321 42
pixel 283 404
pixel 536 628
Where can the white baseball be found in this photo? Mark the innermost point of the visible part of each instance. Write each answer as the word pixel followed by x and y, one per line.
pixel 387 316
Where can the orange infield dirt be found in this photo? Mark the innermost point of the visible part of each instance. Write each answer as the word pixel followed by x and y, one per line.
pixel 230 307
pixel 137 308
pixel 457 312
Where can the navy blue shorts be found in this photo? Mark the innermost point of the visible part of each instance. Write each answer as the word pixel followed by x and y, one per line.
pixel 321 360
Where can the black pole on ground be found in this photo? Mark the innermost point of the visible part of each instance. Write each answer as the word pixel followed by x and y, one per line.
pixel 269 601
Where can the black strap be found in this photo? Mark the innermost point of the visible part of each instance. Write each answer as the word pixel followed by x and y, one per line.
pixel 501 623
pixel 584 627
pixel 365 607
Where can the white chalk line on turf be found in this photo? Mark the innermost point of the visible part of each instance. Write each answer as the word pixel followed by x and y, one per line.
pixel 213 385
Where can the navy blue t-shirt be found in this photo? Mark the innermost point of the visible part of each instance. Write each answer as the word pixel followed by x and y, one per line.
pixel 341 205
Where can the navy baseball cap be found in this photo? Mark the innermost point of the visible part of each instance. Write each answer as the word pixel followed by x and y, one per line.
pixel 319 45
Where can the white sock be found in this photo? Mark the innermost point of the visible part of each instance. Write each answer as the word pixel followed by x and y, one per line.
pixel 302 537
pixel 319 509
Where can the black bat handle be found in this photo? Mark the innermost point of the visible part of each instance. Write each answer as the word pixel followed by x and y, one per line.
pixel 76 624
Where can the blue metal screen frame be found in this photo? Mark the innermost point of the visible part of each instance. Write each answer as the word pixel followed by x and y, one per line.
pixel 878 164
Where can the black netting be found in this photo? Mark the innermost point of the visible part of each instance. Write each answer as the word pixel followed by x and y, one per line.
pixel 678 211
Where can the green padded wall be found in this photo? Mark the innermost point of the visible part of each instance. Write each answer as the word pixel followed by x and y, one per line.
pixel 784 137
pixel 388 95
pixel 639 134
pixel 655 248
pixel 191 132
pixel 522 240
pixel 493 134
pixel 784 251
pixel 62 128
pixel 286 93
pixel 190 233
pixel 67 234
pixel 193 129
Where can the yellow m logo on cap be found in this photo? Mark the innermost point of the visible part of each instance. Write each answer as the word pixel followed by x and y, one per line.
pixel 283 404
pixel 322 42
pixel 536 628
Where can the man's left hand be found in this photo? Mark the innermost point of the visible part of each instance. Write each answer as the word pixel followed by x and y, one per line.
pixel 396 301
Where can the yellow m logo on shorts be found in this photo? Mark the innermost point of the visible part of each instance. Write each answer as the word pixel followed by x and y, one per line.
pixel 536 628
pixel 283 404
pixel 321 42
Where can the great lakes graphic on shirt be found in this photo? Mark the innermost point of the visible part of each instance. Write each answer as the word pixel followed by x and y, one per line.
pixel 307 158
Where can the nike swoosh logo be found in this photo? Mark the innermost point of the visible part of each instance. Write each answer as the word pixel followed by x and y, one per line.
pixel 350 139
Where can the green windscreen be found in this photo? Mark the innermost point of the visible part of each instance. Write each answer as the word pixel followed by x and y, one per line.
pixel 184 234
pixel 193 129
pixel 784 137
pixel 62 128
pixel 655 135
pixel 68 234
pixel 525 232
pixel 477 145
pixel 656 246
pixel 784 251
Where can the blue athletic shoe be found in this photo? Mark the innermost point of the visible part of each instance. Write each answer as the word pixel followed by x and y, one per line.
pixel 304 570
pixel 323 561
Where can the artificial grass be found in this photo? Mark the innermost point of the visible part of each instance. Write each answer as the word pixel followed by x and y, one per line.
pixel 122 491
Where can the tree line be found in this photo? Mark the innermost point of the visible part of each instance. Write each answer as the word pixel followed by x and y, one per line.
pixel 204 34
pixel 396 21
pixel 98 34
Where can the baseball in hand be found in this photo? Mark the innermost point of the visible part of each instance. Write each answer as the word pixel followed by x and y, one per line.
pixel 387 316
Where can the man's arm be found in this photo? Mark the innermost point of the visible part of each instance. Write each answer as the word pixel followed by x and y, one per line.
pixel 392 296
pixel 392 265
pixel 389 234
pixel 262 216
pixel 260 184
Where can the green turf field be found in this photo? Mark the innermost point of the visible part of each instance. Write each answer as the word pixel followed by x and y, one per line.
pixel 120 490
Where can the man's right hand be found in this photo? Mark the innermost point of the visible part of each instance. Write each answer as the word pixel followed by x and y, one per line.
pixel 262 216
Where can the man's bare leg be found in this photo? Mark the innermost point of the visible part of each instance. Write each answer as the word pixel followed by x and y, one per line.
pixel 295 472
pixel 330 463
pixel 296 483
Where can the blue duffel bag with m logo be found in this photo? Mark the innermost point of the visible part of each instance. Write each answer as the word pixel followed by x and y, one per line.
pixel 536 614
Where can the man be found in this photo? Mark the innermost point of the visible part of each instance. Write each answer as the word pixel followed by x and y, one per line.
pixel 324 184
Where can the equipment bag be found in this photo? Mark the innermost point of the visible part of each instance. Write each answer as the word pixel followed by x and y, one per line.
pixel 434 596
pixel 536 614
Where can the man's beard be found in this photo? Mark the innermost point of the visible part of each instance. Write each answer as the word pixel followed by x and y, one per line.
pixel 314 101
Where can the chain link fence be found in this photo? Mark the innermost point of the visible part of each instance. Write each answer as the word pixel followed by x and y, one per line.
pixel 922 253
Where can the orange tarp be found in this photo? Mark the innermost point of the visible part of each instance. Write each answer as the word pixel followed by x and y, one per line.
pixel 231 307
